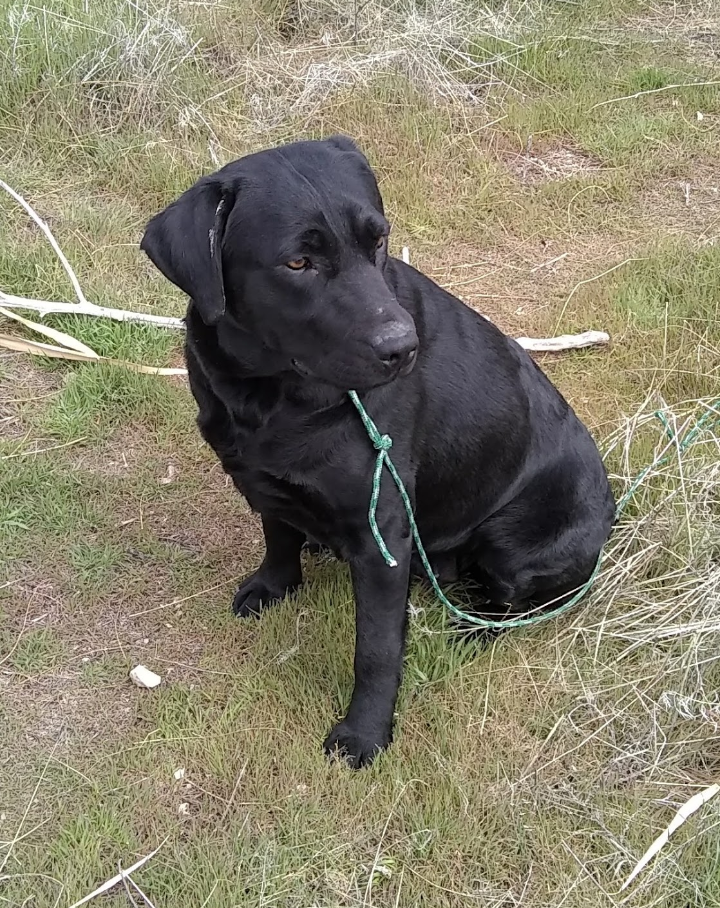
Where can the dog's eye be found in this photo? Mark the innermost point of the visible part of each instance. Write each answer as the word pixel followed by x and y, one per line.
pixel 380 242
pixel 297 264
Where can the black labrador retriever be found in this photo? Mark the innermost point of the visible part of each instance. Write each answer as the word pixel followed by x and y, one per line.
pixel 294 300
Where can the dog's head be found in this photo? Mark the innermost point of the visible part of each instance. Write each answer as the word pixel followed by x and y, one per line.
pixel 290 245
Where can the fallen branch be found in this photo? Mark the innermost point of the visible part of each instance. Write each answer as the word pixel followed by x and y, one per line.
pixel 564 342
pixel 71 348
pixel 48 307
pixel 126 878
pixel 83 306
pixel 53 242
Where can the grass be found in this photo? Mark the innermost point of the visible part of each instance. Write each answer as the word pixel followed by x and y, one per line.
pixel 533 770
pixel 93 402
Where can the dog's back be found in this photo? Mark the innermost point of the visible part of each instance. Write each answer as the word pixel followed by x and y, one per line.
pixel 509 480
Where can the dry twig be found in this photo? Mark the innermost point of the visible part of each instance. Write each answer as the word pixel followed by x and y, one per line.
pixel 653 91
pixel 118 878
pixel 684 813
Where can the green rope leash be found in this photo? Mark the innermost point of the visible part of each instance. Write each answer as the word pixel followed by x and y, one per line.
pixel 383 443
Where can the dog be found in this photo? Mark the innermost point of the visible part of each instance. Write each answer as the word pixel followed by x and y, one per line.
pixel 294 301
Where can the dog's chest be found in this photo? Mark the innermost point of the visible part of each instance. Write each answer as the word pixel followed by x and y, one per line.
pixel 302 467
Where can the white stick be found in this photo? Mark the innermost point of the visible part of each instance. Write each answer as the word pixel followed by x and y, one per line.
pixel 83 306
pixel 125 880
pixel 141 893
pixel 53 242
pixel 546 344
pixel 118 878
pixel 46 307
pixel 564 342
pixel 686 811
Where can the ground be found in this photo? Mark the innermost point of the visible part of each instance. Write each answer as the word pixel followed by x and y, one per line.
pixel 555 165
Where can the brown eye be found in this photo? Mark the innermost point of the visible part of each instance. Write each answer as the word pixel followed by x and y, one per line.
pixel 297 264
pixel 380 243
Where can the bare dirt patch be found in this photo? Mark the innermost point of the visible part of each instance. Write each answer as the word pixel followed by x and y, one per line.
pixel 688 206
pixel 545 164
pixel 24 389
pixel 124 454
pixel 498 283
pixel 207 517
pixel 57 712
pixel 518 285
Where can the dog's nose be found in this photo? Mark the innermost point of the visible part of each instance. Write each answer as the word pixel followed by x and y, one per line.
pixel 396 346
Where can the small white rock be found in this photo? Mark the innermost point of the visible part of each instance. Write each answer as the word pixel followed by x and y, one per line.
pixel 184 809
pixel 170 476
pixel 179 774
pixel 143 677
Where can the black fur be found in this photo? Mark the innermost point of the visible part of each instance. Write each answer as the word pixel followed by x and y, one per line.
pixel 507 484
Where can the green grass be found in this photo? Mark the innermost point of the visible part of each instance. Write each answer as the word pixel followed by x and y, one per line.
pixel 38 651
pixel 531 770
pixel 37 496
pixel 676 286
pixel 571 80
pixel 98 399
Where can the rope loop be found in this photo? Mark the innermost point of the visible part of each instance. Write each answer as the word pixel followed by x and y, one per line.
pixel 383 443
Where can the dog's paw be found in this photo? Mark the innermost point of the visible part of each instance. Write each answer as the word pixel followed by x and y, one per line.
pixel 257 593
pixel 357 748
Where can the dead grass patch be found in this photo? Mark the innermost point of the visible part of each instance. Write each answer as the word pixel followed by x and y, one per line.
pixel 24 390
pixel 545 164
pixel 693 26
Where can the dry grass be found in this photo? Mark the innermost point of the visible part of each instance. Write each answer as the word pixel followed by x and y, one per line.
pixel 534 771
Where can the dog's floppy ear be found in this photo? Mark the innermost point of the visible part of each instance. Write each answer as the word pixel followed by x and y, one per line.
pixel 185 240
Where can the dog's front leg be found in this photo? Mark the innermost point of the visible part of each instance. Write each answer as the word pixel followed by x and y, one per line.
pixel 381 594
pixel 279 574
